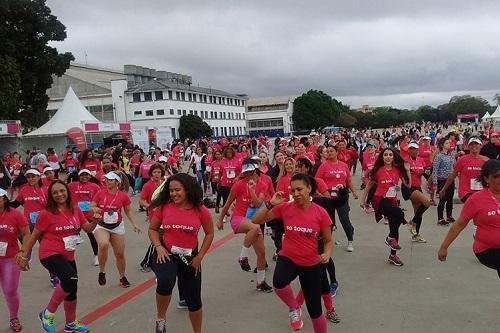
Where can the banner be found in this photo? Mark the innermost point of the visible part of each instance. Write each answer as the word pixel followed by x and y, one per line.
pixel 163 137
pixel 140 138
pixel 78 137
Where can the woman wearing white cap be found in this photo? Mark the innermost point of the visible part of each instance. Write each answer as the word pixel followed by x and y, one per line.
pixel 109 203
pixel 249 193
pixel 49 176
pixel 12 223
pixel 467 169
pixel 82 193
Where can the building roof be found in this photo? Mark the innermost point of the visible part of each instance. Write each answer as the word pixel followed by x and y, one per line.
pixel 274 100
pixel 70 114
pixel 163 84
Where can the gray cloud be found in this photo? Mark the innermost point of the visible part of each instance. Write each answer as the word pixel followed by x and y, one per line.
pixel 266 48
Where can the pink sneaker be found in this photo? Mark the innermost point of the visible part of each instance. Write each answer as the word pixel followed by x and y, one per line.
pixel 395 260
pixel 392 243
pixel 296 319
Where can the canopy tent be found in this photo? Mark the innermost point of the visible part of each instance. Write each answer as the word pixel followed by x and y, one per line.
pixel 71 114
pixel 496 115
pixel 486 116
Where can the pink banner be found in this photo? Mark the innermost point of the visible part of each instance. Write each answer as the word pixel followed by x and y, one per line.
pixel 124 126
pixel 78 137
pixel 13 128
pixel 91 127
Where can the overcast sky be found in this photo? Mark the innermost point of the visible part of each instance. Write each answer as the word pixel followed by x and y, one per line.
pixel 400 53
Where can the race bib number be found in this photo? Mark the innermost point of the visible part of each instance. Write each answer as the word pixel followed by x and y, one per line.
pixel 475 185
pixel 84 205
pixel 209 168
pixel 391 192
pixel 230 173
pixel 3 249
pixel 181 251
pixel 110 217
pixel 33 217
pixel 16 172
pixel 70 242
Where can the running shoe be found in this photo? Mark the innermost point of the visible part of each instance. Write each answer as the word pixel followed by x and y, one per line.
pixel 54 282
pixel 412 227
pixel 392 243
pixel 263 286
pixel 243 261
pixel 47 321
pixel 15 325
pixel 76 327
pixel 96 261
pixel 145 269
pixel 350 247
pixel 450 219
pixel 124 282
pixel 334 287
pixel 296 319
pixel 161 326
pixel 395 260
pixel 182 304
pixel 337 242
pixel 275 257
pixel 332 316
pixel 101 279
pixel 443 222
pixel 418 239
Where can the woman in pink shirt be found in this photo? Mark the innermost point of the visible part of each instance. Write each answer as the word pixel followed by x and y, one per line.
pixel 87 161
pixel 230 170
pixel 484 209
pixel 214 177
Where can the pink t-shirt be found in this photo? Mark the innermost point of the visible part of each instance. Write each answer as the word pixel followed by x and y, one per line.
pixel 216 171
pixel 230 170
pixel 33 201
pixel 302 228
pixel 283 185
pixel 82 194
pixel 91 165
pixel 368 163
pixel 322 187
pixel 144 168
pixel 181 225
pixel 484 209
pixel 109 201
pixel 55 227
pixel 148 189
pixel 386 179
pixel 241 192
pixel 469 168
pixel 425 152
pixel 345 156
pixel 417 167
pixel 403 150
pixel 11 221
pixel 333 173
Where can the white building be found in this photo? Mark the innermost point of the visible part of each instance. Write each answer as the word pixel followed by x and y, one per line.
pixel 271 116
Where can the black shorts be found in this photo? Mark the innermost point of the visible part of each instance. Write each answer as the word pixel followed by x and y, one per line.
pixel 406 192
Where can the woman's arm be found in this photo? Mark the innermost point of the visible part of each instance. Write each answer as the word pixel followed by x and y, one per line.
pixel 327 241
pixel 208 228
pixel 365 193
pixel 131 218
pixel 452 234
pixel 350 185
pixel 225 209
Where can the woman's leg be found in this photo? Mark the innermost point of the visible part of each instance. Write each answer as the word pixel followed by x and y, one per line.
pixel 9 281
pixel 192 286
pixel 442 201
pixel 284 273
pixel 166 274
pixel 310 281
pixel 102 237
pixel 118 244
pixel 450 192
pixel 93 243
pixel 67 274
pixel 343 212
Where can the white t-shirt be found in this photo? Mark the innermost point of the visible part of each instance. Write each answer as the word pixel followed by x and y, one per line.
pixel 197 161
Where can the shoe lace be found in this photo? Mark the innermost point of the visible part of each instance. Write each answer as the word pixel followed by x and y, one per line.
pixel 294 315
pixel 160 325
pixel 50 319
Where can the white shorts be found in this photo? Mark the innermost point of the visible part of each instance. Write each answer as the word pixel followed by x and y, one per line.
pixel 119 230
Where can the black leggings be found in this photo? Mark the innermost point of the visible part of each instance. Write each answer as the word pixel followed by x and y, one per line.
pixel 278 231
pixel 65 271
pixel 490 258
pixel 189 283
pixel 369 197
pixel 395 216
pixel 446 200
pixel 224 193
pixel 310 281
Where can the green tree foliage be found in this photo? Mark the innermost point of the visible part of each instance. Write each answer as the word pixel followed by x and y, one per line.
pixel 315 110
pixel 27 63
pixel 463 104
pixel 193 127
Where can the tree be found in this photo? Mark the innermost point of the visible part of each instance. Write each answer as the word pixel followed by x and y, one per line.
pixel 496 98
pixel 465 104
pixel 193 127
pixel 27 63
pixel 315 110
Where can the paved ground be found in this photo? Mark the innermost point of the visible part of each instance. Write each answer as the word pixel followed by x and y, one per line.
pixel 423 296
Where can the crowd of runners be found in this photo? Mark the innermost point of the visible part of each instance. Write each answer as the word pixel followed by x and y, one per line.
pixel 294 189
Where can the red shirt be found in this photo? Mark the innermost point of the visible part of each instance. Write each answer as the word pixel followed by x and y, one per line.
pixel 82 194
pixel 108 201
pixel 345 156
pixel 417 167
pixel 11 222
pixel 469 168
pixel 230 170
pixel 403 150
pixel 46 182
pixel 322 187
pixel 55 227
pixel 385 180
pixel 425 152
pixel 171 161
pixel 283 185
pixel 216 171
pixel 333 173
pixel 144 168
pixel 241 192
pixel 91 165
pixel 484 209
pixel 302 228
pixel 181 225
pixel 368 163
pixel 33 200
pixel 148 189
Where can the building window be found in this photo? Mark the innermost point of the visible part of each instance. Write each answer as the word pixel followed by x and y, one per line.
pixel 190 97
pixel 183 112
pixel 173 132
pixel 243 116
pixel 221 131
pixel 172 111
pixel 158 95
pixel 183 96
pixel 216 131
pixel 148 96
pixel 210 99
pixel 178 112
pixel 190 111
pixel 178 95
pixel 136 97
pixel 202 114
pixel 149 113
pixel 206 114
pixel 160 112
pixel 211 114
pixel 170 94
pixel 221 115
pixel 204 98
pixel 194 97
pixel 137 113
pixel 195 112
pixel 215 114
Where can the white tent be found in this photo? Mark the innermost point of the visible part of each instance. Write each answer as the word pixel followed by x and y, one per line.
pixel 496 115
pixel 70 114
pixel 486 116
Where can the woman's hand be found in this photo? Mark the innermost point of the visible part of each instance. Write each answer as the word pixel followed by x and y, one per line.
pixel 196 264
pixel 324 258
pixel 162 255
pixel 137 228
pixel 277 198
pixel 442 254
pixel 22 261
pixel 220 223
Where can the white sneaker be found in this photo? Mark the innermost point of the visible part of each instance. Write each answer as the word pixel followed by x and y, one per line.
pixel 350 247
pixel 337 242
pixel 96 261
